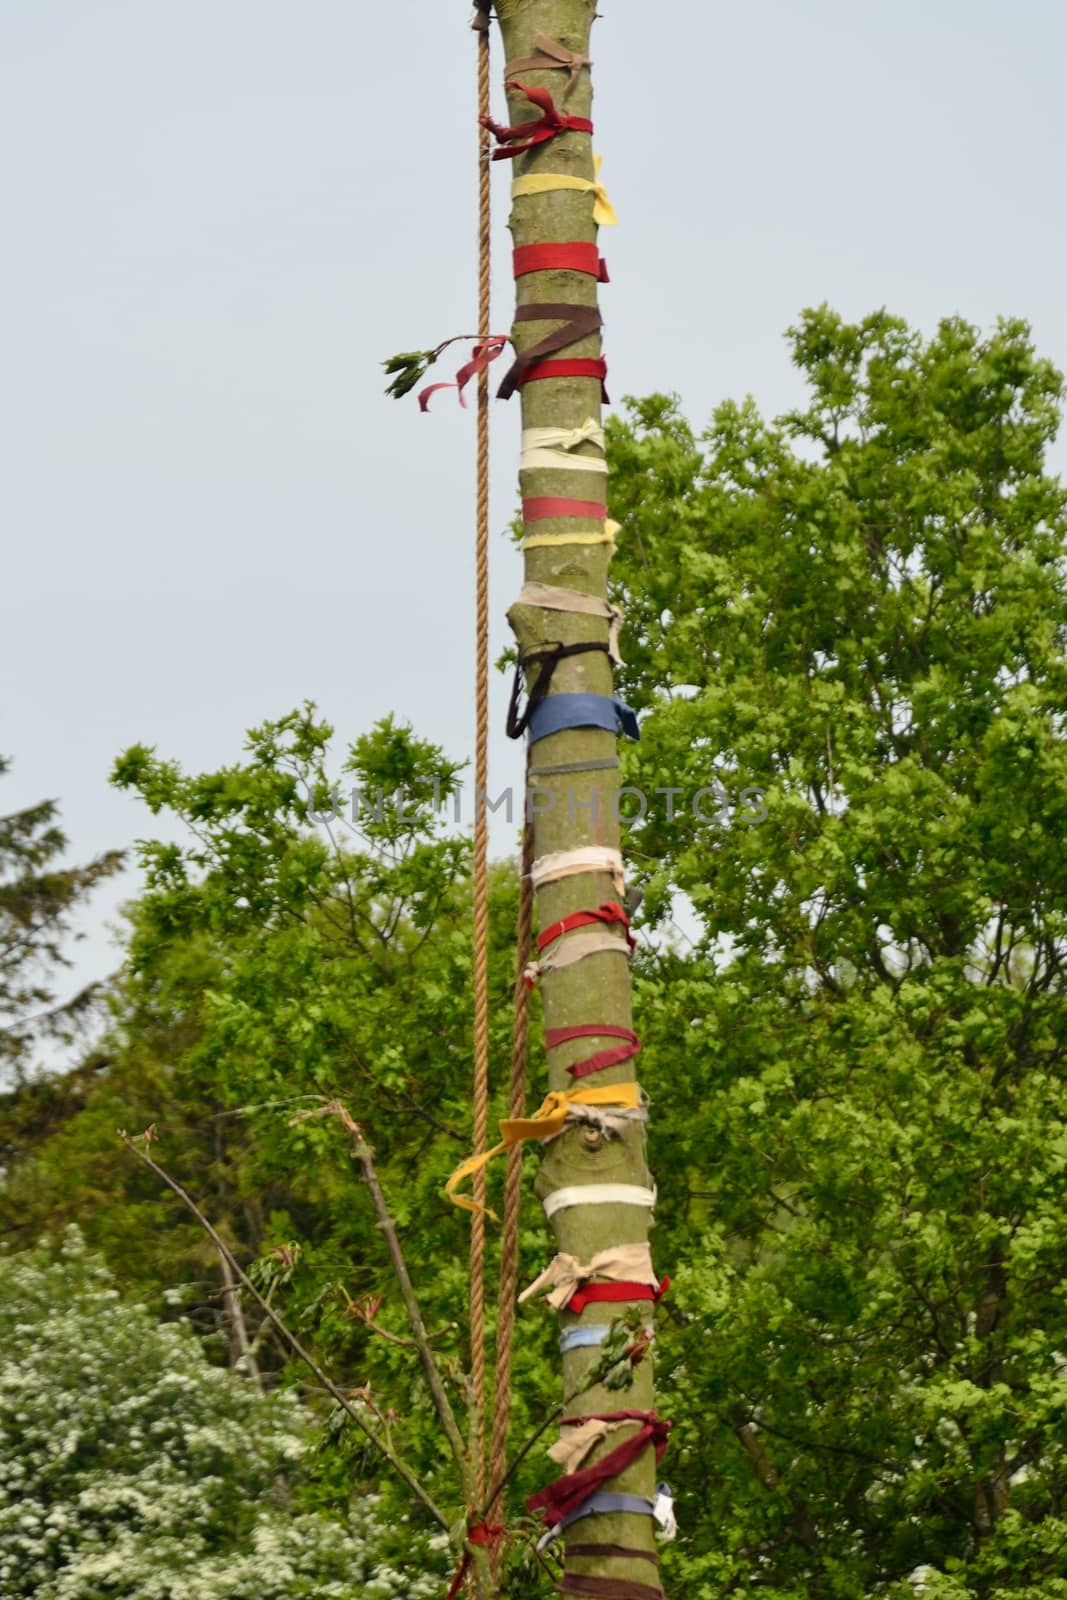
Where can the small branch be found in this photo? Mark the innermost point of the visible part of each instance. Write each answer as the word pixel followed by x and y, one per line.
pixel 362 1152
pixel 291 1340
pixel 232 1301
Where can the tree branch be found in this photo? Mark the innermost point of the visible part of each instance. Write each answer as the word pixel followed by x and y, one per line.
pixel 291 1340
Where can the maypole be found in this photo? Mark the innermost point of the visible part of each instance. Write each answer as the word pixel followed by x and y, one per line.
pixel 594 1182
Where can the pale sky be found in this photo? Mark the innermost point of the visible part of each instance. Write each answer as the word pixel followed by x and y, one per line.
pixel 220 218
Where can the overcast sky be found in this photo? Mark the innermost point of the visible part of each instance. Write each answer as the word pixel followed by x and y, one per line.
pixel 219 218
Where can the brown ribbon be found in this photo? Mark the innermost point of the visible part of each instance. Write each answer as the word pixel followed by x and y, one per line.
pixel 482 15
pixel 607 1588
pixel 552 56
pixel 622 1551
pixel 580 321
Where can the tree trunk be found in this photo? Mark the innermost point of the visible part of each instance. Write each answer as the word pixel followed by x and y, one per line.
pixel 582 811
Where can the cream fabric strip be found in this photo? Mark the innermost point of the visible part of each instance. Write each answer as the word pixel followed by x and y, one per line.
pixel 598 1194
pixel 619 1263
pixel 575 947
pixel 567 863
pixel 553 598
pixel 550 447
pixel 609 1119
pixel 575 1443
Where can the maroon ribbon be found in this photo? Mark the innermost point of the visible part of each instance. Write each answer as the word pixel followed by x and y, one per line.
pixel 594 1588
pixel 566 1494
pixel 481 356
pixel 603 1058
pixel 550 123
pixel 577 322
pixel 624 1552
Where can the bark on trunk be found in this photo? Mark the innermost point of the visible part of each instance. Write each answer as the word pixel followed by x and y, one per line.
pixel 596 989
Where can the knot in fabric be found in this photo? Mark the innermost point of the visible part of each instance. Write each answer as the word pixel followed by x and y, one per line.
pixel 524 136
pixel 565 1274
pixel 548 1120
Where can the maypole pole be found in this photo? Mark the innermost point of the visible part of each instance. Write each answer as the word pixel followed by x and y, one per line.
pixel 593 1182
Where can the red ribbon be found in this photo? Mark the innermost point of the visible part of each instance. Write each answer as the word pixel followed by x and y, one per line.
pixel 615 1294
pixel 566 1494
pixel 575 367
pixel 481 1533
pixel 603 1058
pixel 577 257
pixel 548 125
pixel 538 507
pixel 609 912
pixel 481 356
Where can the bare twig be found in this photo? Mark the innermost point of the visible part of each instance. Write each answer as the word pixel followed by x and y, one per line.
pixel 290 1338
pixel 362 1152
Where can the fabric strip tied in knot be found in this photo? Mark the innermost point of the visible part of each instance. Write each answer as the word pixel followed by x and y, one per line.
pixel 577 322
pixel 575 1443
pixel 568 1493
pixel 551 448
pixel 548 1120
pixel 551 57
pixel 481 356
pixel 610 912
pixel 608 1120
pixel 527 135
pixel 565 1274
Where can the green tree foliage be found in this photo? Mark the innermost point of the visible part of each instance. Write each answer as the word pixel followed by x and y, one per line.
pixel 283 957
pixel 860 610
pixel 38 899
pixel 856 1063
pixel 130 1466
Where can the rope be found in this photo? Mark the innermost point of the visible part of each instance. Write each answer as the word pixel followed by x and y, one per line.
pixel 481 782
pixel 509 1247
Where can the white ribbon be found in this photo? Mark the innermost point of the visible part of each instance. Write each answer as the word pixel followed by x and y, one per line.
pixel 663 1510
pixel 598 1194
pixel 575 947
pixel 619 1263
pixel 553 598
pixel 609 1119
pixel 590 858
pixel 549 447
pixel 572 1447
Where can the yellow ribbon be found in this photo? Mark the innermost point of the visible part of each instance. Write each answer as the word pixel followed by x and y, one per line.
pixel 544 182
pixel 545 541
pixel 545 1123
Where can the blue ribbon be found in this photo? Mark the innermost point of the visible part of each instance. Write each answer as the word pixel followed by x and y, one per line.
pixel 583 1334
pixel 604 1501
pixel 560 711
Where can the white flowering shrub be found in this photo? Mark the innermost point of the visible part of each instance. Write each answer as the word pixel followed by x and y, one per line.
pixel 131 1467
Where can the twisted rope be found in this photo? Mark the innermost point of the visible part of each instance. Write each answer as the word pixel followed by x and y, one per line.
pixel 509 1248
pixel 481 778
